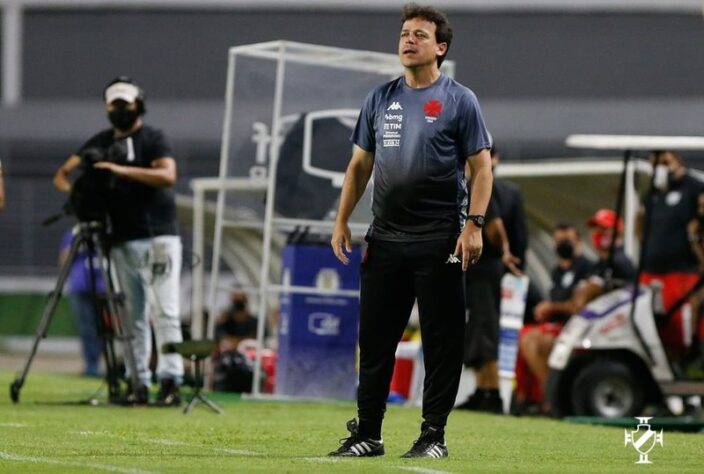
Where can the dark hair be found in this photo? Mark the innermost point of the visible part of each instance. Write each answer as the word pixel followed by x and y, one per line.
pixel 655 155
pixel 566 226
pixel 443 30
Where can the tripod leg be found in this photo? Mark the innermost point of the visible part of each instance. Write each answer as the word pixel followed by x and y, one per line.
pixel 197 392
pixel 103 320
pixel 116 310
pixel 45 320
pixel 190 405
pixel 210 403
pixel 106 334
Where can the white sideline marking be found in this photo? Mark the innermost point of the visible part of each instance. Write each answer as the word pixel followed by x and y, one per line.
pixel 423 470
pixel 90 433
pixel 323 459
pixel 40 460
pixel 238 452
pixel 166 442
pixel 172 442
pixel 13 425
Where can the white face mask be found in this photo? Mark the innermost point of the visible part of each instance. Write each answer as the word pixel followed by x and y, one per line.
pixel 660 176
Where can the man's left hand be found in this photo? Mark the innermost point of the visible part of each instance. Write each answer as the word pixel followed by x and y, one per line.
pixel 469 245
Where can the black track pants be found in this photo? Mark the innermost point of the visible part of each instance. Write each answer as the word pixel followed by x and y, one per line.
pixel 393 275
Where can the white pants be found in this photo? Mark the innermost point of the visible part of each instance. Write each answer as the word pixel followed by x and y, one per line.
pixel 149 271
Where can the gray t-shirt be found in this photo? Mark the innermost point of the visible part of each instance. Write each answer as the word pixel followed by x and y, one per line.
pixel 421 139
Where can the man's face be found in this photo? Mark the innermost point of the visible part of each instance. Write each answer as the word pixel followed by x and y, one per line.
pixel 565 235
pixel 666 158
pixel 417 45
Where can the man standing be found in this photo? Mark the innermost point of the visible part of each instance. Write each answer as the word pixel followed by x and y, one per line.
pixel 669 257
pixel 416 133
pixel 146 248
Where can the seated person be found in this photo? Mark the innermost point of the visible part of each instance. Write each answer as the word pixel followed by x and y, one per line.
pixel 536 342
pixel 572 267
pixel 235 324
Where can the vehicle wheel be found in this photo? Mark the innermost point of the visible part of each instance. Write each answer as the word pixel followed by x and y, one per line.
pixel 607 389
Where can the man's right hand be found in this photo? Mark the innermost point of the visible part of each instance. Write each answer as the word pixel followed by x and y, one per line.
pixel 341 241
pixel 542 311
pixel 61 177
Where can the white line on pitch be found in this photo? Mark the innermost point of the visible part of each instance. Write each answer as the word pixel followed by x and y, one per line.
pixel 41 460
pixel 172 442
pixel 90 433
pixel 166 442
pixel 422 470
pixel 13 425
pixel 238 452
pixel 322 459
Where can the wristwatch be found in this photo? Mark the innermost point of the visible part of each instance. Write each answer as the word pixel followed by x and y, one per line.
pixel 477 219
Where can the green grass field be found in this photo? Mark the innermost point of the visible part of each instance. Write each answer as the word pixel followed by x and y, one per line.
pixel 41 434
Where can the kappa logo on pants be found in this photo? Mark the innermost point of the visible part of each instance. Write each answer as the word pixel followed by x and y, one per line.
pixel 452 259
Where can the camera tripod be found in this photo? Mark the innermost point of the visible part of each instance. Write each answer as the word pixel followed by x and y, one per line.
pixel 111 320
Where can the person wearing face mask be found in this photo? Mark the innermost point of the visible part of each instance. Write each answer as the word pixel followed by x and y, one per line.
pixel 235 324
pixel 145 246
pixel 604 275
pixel 572 267
pixel 670 256
pixel 535 339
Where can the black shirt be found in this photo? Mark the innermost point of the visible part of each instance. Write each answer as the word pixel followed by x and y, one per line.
pixel 623 270
pixel 136 210
pixel 510 202
pixel 668 248
pixel 564 281
pixel 232 327
pixel 421 139
pixel 490 260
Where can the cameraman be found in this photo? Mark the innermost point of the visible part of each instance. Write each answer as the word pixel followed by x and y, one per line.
pixel 140 172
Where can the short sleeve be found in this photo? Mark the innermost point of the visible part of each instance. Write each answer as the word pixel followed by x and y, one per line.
pixel 473 135
pixel 160 146
pixel 363 135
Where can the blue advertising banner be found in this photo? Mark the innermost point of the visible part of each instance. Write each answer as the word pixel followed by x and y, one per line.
pixel 318 333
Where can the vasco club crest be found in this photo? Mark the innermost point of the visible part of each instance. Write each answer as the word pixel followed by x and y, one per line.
pixel 643 439
pixel 432 110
